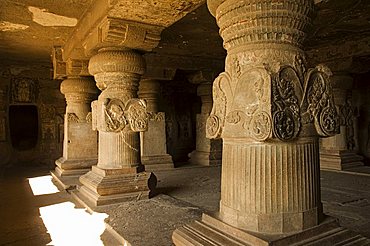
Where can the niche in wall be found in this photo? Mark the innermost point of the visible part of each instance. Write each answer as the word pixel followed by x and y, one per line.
pixel 23 124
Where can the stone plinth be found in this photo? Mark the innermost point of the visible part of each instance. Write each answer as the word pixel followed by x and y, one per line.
pixel 270 111
pixel 80 140
pixel 119 116
pixel 339 152
pixel 153 141
pixel 208 151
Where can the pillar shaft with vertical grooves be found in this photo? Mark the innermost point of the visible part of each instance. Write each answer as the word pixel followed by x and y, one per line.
pixel 269 109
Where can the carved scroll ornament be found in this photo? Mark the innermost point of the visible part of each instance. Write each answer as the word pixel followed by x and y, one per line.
pixel 122 117
pixel 298 96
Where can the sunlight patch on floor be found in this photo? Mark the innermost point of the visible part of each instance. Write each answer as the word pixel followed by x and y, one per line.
pixel 70 226
pixel 42 185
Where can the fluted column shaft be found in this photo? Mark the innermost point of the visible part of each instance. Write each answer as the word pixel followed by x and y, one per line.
pixel 269 109
pixel 119 114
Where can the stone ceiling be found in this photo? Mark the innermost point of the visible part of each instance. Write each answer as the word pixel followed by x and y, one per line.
pixel 29 28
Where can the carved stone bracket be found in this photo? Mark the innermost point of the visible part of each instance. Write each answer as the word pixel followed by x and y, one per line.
pixel 119 32
pixel 64 67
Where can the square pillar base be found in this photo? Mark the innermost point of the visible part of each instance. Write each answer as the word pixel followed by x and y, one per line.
pixel 339 159
pixel 102 187
pixel 67 172
pixel 212 231
pixel 205 158
pixel 157 162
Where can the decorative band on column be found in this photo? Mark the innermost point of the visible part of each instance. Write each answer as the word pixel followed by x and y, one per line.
pixel 261 181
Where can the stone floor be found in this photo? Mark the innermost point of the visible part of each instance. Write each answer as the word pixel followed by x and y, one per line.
pixel 182 196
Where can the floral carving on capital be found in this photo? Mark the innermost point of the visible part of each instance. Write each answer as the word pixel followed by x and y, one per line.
pixel 273 101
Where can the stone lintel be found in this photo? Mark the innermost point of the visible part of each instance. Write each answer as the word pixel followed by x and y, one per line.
pixel 135 25
pixel 114 32
pixel 73 48
pixel 211 229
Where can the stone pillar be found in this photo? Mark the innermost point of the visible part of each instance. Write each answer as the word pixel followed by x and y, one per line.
pixel 208 151
pixel 80 150
pixel 119 116
pixel 270 110
pixel 153 142
pixel 338 152
pixel 364 125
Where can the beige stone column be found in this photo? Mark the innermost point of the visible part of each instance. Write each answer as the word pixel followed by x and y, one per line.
pixel 153 142
pixel 338 152
pixel 208 151
pixel 80 140
pixel 270 110
pixel 119 116
pixel 364 125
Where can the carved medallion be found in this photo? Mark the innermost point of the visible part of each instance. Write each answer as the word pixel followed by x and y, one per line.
pixel 216 120
pixel 72 118
pixel 137 115
pixel 213 126
pixel 261 125
pixel 114 115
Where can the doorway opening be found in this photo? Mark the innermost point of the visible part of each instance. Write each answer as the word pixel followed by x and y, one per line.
pixel 23 124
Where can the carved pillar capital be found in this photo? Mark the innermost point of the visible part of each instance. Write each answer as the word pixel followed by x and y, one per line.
pixel 267 91
pixel 117 67
pixel 79 92
pixel 117 73
pixel 262 23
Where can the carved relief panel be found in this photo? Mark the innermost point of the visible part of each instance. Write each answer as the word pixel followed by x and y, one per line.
pixel 24 90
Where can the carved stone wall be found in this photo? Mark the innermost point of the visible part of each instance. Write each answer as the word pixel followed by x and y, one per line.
pixel 31 85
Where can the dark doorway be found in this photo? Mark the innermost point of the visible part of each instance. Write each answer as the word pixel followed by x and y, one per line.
pixel 23 122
